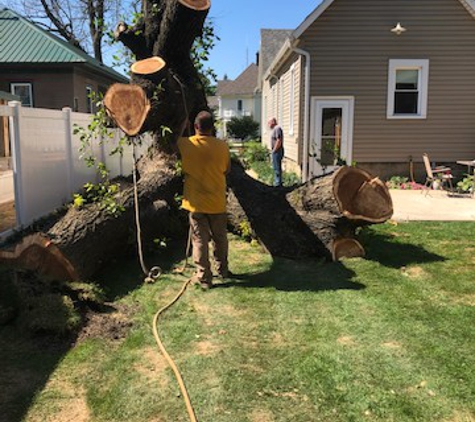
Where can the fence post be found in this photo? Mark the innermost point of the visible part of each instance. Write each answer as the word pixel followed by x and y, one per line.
pixel 69 150
pixel 16 160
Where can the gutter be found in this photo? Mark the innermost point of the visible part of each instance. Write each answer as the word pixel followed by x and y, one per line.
pixel 306 119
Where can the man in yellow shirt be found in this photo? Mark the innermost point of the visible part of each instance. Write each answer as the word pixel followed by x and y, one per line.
pixel 205 162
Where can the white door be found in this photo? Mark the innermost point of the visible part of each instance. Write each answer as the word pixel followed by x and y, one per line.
pixel 331 134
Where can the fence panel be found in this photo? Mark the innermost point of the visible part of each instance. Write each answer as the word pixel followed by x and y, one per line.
pixel 81 172
pixel 48 166
pixel 43 174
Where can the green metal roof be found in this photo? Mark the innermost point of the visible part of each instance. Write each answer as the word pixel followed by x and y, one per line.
pixel 22 41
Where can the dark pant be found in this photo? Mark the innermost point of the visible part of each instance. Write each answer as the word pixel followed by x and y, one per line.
pixel 206 228
pixel 277 164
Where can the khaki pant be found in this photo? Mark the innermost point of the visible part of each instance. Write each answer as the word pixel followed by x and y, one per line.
pixel 206 228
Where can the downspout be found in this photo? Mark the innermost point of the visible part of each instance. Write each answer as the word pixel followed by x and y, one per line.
pixel 306 119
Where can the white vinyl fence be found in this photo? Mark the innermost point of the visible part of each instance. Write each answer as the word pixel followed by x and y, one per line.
pixel 47 167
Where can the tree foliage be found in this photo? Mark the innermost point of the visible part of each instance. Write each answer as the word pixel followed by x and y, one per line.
pixel 243 127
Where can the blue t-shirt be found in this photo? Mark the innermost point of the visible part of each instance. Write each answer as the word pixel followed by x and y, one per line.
pixel 277 133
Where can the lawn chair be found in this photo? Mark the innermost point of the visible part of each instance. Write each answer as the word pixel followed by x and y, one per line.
pixel 440 174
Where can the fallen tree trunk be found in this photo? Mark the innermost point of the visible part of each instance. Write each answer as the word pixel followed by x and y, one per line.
pixel 318 218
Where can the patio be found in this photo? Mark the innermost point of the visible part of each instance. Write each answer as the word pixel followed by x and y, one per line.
pixel 435 205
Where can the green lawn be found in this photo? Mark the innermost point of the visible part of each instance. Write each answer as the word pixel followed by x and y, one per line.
pixel 386 338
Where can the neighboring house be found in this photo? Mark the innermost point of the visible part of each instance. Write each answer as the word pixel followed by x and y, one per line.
pixel 45 71
pixel 238 98
pixel 349 83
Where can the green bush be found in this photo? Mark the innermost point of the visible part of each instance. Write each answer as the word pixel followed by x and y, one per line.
pixel 466 184
pixel 254 151
pixel 243 127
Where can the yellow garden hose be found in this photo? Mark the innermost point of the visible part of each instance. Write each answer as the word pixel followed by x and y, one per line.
pixel 170 361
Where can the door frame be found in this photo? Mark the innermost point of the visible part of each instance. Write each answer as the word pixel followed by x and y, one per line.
pixel 347 104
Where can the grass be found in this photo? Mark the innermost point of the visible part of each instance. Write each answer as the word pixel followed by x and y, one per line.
pixel 385 338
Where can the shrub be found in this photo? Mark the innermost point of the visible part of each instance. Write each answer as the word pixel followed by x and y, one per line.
pixel 467 183
pixel 243 127
pixel 255 151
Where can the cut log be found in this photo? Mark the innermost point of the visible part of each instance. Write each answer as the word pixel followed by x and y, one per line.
pixel 128 106
pixel 317 219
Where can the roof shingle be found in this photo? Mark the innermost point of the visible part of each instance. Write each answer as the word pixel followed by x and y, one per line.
pixel 244 84
pixel 24 42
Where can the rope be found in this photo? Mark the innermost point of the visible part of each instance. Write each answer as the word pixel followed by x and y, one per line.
pixel 155 272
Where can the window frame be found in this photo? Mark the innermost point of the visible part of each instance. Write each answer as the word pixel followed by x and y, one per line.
pixel 22 84
pixel 89 102
pixel 422 66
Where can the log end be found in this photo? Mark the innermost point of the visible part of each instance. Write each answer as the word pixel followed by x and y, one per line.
pixel 37 253
pixel 196 4
pixel 347 248
pixel 360 196
pixel 148 66
pixel 128 106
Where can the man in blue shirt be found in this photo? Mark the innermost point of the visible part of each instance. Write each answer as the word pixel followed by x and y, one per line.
pixel 277 145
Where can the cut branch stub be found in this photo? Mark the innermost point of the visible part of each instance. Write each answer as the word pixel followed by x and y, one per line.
pixel 148 66
pixel 361 196
pixel 196 4
pixel 347 248
pixel 128 106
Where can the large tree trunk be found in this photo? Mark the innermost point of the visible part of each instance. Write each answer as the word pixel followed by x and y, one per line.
pixel 317 219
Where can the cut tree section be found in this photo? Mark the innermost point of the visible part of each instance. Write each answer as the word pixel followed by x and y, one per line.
pixel 128 106
pixel 196 4
pixel 148 66
pixel 361 196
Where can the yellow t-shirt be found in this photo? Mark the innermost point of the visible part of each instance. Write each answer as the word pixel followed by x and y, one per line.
pixel 205 160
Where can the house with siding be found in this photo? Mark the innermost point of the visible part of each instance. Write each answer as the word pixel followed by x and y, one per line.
pixel 238 98
pixel 376 83
pixel 45 71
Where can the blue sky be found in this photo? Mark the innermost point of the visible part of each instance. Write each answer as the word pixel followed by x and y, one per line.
pixel 238 24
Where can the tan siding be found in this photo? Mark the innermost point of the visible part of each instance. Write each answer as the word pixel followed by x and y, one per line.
pixel 351 45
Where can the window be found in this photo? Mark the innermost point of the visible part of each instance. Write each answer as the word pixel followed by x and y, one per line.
pixel 76 104
pixel 408 82
pixel 89 105
pixel 292 100
pixel 239 105
pixel 24 91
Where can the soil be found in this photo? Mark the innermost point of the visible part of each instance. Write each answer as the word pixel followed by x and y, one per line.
pixel 111 325
pixel 7 216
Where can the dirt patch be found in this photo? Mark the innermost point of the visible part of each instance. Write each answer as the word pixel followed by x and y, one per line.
pixel 112 325
pixel 153 366
pixel 392 345
pixel 260 415
pixel 346 341
pixel 467 300
pixel 413 272
pixel 278 340
pixel 7 216
pixel 461 417
pixel 207 348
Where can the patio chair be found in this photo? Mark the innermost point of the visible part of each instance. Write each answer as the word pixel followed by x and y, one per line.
pixel 440 174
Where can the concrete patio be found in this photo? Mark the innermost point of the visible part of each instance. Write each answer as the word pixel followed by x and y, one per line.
pixel 434 205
